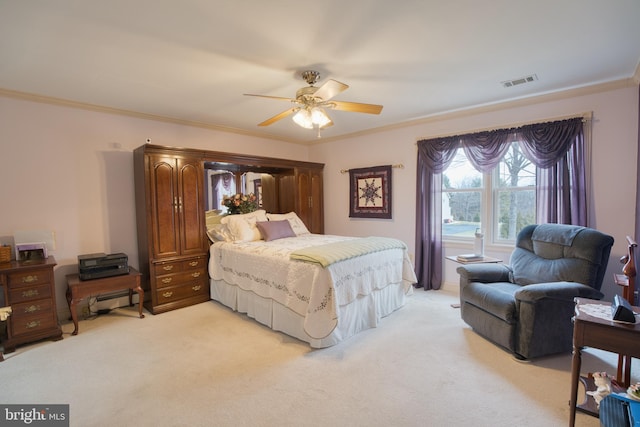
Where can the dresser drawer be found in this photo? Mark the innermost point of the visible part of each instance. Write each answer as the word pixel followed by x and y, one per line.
pixel 29 293
pixel 175 293
pixel 168 267
pixel 29 278
pixel 172 267
pixel 33 324
pixel 32 308
pixel 180 278
pixel 194 263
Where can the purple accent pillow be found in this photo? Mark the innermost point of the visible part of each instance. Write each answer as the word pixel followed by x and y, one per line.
pixel 272 230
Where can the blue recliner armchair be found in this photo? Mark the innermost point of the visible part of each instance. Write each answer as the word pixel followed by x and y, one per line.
pixel 527 306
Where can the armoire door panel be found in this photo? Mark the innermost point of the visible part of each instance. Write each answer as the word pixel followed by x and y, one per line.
pixel 317 208
pixel 304 199
pixel 190 206
pixel 287 194
pixel 309 200
pixel 164 210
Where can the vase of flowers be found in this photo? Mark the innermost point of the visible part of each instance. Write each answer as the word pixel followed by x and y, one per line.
pixel 240 203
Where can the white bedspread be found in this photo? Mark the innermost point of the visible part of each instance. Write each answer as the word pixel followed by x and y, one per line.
pixel 308 289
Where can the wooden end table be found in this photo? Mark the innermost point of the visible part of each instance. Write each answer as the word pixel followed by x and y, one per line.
pixel 592 331
pixel 78 289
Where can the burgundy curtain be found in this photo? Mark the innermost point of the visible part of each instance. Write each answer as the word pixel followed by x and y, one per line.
pixel 556 148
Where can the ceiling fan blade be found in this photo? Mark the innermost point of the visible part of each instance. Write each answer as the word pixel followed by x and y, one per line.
pixel 278 117
pixel 330 89
pixel 271 97
pixel 356 107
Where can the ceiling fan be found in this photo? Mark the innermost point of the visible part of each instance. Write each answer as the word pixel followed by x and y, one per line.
pixel 310 102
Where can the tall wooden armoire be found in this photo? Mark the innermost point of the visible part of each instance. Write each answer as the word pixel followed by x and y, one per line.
pixel 171 233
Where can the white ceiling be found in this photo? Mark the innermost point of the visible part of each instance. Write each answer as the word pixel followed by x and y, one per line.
pixel 193 60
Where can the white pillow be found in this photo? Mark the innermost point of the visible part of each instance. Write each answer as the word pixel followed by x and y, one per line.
pixel 219 233
pixel 213 217
pixel 243 227
pixel 296 223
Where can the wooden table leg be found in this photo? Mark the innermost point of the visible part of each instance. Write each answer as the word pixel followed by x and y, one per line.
pixel 575 378
pixel 140 292
pixel 72 308
pixel 623 376
pixel 140 300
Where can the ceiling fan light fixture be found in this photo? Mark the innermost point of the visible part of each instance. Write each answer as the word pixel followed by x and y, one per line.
pixel 303 118
pixel 319 117
pixel 311 118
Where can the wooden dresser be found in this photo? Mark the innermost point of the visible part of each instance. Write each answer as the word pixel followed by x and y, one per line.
pixel 171 231
pixel 29 289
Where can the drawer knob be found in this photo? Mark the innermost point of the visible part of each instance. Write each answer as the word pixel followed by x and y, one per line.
pixel 196 274
pixel 196 288
pixel 167 280
pixel 167 294
pixel 29 279
pixel 33 324
pixel 193 263
pixel 30 293
pixel 32 308
pixel 167 267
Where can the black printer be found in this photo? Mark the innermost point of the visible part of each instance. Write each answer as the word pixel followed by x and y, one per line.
pixel 98 265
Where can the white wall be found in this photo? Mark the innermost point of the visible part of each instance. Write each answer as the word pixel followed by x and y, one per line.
pixel 612 197
pixel 71 171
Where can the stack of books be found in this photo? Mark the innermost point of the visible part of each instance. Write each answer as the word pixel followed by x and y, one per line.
pixel 469 257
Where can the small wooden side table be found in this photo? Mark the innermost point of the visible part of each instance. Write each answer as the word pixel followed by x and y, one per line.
pixel 592 331
pixel 78 289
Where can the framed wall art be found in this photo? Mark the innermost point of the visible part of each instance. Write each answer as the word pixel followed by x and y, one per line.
pixel 370 192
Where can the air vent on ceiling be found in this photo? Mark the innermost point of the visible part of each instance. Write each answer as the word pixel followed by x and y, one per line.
pixel 521 80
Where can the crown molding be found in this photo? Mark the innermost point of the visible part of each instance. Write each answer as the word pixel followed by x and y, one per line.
pixel 496 106
pixel 447 115
pixel 109 110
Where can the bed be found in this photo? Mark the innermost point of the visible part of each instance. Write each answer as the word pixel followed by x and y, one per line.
pixel 321 289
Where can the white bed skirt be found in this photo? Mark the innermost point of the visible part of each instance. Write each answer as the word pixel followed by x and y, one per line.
pixel 363 313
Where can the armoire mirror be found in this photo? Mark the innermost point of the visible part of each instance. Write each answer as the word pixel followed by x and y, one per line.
pixel 267 183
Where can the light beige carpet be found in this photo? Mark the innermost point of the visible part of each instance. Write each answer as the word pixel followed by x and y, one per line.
pixel 208 366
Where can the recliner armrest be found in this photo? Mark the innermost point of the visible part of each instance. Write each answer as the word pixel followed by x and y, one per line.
pixel 484 272
pixel 556 290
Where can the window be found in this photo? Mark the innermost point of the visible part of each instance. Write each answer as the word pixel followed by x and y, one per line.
pixel 499 203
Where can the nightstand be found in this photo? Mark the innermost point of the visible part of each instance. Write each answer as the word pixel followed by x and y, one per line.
pixel 31 294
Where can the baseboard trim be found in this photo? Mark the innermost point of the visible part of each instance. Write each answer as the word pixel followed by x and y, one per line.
pixel 450 287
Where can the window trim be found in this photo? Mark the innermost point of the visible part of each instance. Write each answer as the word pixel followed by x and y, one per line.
pixel 489 208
